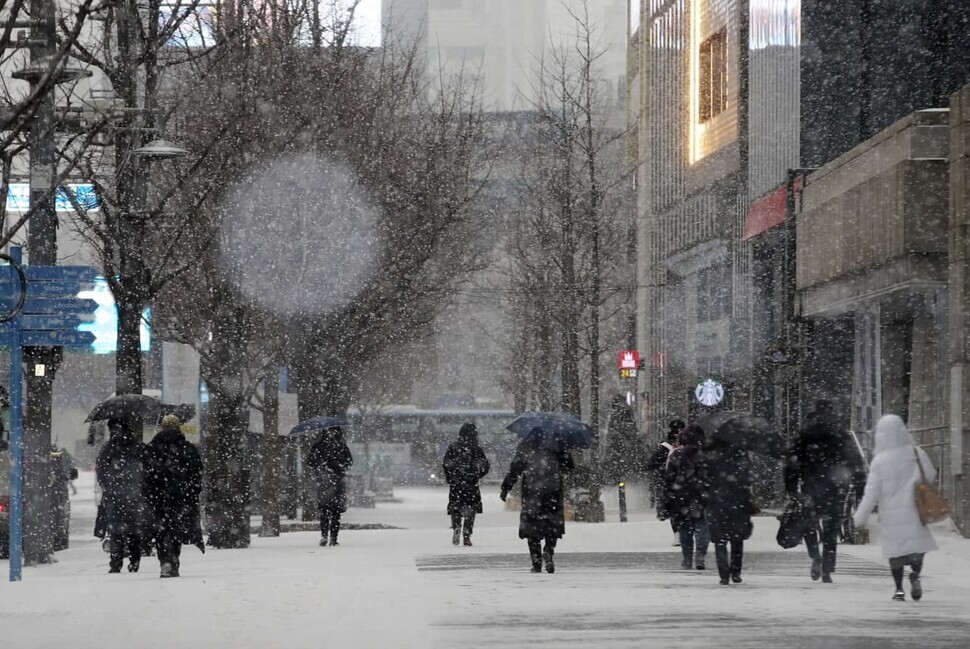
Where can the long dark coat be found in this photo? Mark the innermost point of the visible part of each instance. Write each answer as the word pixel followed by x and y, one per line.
pixel 729 504
pixel 656 471
pixel 685 481
pixel 330 459
pixel 173 483
pixel 825 464
pixel 120 471
pixel 541 470
pixel 464 465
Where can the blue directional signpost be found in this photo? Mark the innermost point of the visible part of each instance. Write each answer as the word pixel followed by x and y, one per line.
pixel 46 314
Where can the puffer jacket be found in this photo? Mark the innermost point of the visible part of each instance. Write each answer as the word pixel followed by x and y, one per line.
pixel 893 476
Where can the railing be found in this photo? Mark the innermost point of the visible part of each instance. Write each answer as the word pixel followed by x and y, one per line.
pixel 938 450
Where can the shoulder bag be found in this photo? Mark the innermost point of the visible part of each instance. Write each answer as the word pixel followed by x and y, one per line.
pixel 930 503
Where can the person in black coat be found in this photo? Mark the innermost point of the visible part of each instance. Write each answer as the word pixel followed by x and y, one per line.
pixel 728 506
pixel 822 466
pixel 464 465
pixel 540 461
pixel 329 459
pixel 123 514
pixel 173 483
pixel 657 470
pixel 686 488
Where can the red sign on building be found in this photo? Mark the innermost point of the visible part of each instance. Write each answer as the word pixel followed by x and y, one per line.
pixel 629 359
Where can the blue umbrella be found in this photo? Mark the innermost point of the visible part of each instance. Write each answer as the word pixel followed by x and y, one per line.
pixel 566 430
pixel 317 423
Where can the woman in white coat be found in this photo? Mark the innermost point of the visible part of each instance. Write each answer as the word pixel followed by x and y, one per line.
pixel 891 486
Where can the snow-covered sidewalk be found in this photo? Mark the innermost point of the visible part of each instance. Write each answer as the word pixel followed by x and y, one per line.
pixel 617 585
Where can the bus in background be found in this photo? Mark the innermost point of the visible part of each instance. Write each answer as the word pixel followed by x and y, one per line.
pixel 406 444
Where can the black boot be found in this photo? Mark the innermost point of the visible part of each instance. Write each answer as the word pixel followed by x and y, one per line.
pixel 535 554
pixel 547 557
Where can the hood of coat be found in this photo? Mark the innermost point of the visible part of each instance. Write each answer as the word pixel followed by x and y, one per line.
pixel 891 433
pixel 468 434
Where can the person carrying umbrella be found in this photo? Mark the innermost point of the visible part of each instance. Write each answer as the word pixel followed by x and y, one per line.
pixel 686 487
pixel 173 483
pixel 123 514
pixel 540 461
pixel 822 466
pixel 329 459
pixel 464 465
pixel 728 505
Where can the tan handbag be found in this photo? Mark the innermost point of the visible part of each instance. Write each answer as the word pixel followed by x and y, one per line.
pixel 930 504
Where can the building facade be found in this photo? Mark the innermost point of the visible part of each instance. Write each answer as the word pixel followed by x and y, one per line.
pixel 732 103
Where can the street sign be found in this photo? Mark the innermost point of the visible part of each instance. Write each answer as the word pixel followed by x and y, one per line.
pixel 44 323
pixel 45 289
pixel 57 338
pixel 61 273
pixel 49 322
pixel 55 306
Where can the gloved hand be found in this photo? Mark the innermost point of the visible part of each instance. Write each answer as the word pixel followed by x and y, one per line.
pixel 502 494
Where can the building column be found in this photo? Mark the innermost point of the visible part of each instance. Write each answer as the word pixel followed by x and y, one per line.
pixel 959 322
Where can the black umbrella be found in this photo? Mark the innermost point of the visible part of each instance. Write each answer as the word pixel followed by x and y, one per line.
pixel 317 424
pixel 125 405
pixel 566 430
pixel 139 405
pixel 744 431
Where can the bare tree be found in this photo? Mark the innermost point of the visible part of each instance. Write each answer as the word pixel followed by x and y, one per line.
pixel 570 272
pixel 151 55
pixel 370 126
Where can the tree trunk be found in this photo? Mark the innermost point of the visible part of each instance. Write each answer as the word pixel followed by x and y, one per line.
pixel 227 483
pixel 542 374
pixel 271 456
pixel 128 369
pixel 227 475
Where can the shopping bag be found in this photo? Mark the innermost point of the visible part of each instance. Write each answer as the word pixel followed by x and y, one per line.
pixel 792 524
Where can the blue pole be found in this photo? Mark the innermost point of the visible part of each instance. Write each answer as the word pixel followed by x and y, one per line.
pixel 16 436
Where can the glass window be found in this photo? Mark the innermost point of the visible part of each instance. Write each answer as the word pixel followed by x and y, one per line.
pixel 713 76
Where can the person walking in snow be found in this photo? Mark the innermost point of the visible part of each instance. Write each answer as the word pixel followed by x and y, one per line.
pixel 123 514
pixel 330 459
pixel 686 486
pixel 540 462
pixel 657 470
pixel 824 464
pixel 173 483
pixel 728 506
pixel 464 465
pixel 893 476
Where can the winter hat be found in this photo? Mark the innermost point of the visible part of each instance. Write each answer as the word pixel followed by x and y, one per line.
pixel 467 430
pixel 676 426
pixel 171 422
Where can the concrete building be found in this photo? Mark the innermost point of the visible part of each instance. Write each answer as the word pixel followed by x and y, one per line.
pixel 731 102
pixel 501 41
